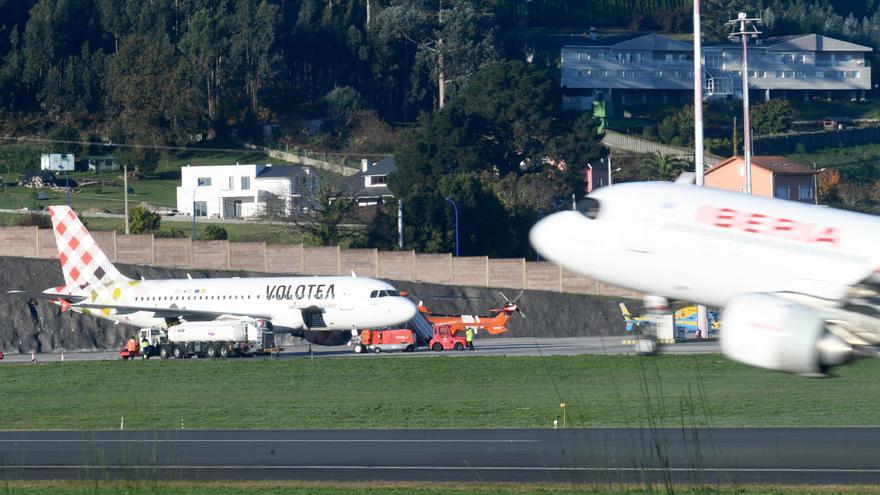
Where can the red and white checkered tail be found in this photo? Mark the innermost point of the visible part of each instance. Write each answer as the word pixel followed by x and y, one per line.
pixel 82 261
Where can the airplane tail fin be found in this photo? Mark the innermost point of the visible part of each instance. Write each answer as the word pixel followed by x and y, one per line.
pixel 82 261
pixel 625 311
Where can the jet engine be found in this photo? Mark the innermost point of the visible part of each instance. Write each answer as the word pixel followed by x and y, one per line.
pixel 770 332
pixel 324 337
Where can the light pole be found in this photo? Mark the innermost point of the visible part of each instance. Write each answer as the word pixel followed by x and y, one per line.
pixel 455 208
pixel 743 26
pixel 699 154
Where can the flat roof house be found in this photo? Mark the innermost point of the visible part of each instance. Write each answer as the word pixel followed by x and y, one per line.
pixel 772 177
pixel 652 68
pixel 244 191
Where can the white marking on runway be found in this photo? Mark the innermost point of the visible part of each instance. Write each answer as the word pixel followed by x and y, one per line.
pixel 244 440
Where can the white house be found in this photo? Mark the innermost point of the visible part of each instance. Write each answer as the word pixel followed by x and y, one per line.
pixel 242 191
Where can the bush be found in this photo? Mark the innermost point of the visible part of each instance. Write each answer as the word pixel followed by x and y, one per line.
pixel 142 220
pixel 215 233
pixel 34 220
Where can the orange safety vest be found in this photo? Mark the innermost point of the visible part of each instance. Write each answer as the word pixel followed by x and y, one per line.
pixel 132 345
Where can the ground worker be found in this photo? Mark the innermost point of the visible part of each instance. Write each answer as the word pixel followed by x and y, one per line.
pixel 144 344
pixel 132 345
pixel 469 335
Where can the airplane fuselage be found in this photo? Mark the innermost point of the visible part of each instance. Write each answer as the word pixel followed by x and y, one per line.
pixel 706 245
pixel 344 303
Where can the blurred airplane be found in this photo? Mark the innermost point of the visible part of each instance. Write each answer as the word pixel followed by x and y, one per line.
pixel 799 284
pixel 494 324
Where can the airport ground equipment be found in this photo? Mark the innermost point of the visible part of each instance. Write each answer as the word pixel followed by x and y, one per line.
pixel 444 339
pixel 218 338
pixel 398 339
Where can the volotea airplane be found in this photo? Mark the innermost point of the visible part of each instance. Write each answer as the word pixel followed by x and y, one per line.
pixel 799 284
pixel 321 309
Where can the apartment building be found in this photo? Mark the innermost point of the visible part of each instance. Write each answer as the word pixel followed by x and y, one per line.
pixel 652 68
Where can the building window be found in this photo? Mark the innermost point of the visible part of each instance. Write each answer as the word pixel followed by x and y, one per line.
pixel 376 180
pixel 779 74
pixel 801 74
pixel 783 192
pixel 741 170
pixel 200 208
pixel 245 183
pixel 204 181
pixel 820 74
pixel 231 183
pixel 805 192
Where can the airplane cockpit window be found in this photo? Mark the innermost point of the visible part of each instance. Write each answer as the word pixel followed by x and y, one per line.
pixel 373 294
pixel 589 207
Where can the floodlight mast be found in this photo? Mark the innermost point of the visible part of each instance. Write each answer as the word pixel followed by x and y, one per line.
pixel 744 26
pixel 699 160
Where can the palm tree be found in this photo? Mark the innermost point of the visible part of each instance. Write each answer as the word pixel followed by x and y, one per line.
pixel 664 167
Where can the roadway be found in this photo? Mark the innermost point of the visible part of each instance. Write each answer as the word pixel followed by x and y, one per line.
pixel 709 456
pixel 512 346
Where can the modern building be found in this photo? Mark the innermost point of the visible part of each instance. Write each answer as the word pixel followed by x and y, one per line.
pixel 369 185
pixel 243 191
pixel 772 176
pixel 652 68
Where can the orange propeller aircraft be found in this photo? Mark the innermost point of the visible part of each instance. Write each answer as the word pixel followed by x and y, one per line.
pixel 494 324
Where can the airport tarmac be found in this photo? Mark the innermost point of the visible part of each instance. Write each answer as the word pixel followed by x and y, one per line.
pixel 707 456
pixel 512 346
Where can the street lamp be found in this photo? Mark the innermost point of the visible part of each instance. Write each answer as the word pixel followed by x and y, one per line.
pixel 455 208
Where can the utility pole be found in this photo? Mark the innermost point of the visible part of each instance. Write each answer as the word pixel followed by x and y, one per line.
pixel 125 195
pixel 702 312
pixel 400 223
pixel 609 169
pixel 441 83
pixel 744 26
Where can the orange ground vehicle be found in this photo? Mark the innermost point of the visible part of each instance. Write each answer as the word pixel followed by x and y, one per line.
pixel 401 339
pixel 445 339
pixel 494 324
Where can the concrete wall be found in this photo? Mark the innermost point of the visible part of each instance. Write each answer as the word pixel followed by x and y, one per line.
pixel 407 266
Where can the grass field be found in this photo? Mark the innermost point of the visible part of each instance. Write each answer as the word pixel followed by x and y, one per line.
pixel 312 488
pixel 436 392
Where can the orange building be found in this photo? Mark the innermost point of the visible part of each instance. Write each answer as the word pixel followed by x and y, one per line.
pixel 772 176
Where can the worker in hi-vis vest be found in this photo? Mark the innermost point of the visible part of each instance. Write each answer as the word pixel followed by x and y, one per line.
pixel 469 335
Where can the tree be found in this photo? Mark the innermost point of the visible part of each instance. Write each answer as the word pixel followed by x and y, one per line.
pixel 340 105
pixel 664 167
pixel 667 129
pixel 382 230
pixel 215 233
pixel 828 182
pixel 324 222
pixel 772 116
pixel 142 220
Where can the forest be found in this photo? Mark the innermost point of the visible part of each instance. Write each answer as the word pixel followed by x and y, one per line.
pixel 400 72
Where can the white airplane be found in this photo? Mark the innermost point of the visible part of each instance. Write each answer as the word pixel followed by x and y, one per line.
pixel 798 283
pixel 321 309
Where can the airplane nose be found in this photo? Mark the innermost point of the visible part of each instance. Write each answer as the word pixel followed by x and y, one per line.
pixel 406 309
pixel 552 234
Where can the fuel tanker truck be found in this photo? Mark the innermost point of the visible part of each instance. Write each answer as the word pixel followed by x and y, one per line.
pixel 218 338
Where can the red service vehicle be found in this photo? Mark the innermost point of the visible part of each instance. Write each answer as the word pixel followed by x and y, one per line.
pixel 401 339
pixel 444 339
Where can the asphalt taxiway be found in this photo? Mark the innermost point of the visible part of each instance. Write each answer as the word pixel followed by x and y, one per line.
pixel 765 455
pixel 512 346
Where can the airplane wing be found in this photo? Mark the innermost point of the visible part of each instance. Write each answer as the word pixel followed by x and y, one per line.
pixel 47 296
pixel 171 312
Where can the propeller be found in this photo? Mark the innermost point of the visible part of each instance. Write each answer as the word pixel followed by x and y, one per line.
pixel 511 305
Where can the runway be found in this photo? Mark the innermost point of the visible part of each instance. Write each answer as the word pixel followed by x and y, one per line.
pixel 513 346
pixel 773 455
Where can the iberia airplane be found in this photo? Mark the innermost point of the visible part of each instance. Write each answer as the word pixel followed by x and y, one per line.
pixel 313 307
pixel 799 284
